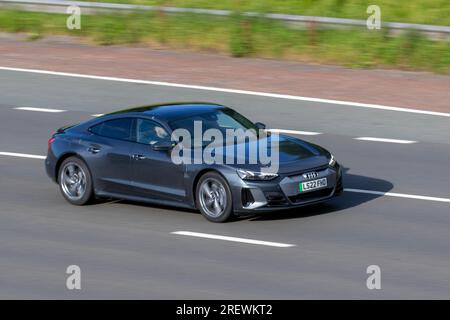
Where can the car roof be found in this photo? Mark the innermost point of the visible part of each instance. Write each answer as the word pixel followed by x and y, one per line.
pixel 171 111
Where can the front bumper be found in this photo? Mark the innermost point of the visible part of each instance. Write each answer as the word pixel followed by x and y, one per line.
pixel 283 193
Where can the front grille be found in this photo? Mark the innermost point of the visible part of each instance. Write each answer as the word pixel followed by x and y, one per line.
pixel 299 173
pixel 310 196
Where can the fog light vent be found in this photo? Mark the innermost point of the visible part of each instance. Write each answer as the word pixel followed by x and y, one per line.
pixel 247 197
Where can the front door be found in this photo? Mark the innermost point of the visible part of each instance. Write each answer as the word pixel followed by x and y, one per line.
pixel 154 173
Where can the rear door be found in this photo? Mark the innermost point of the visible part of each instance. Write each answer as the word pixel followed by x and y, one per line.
pixel 109 147
pixel 154 173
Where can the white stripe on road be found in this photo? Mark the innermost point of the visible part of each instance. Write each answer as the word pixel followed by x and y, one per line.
pixel 39 109
pixel 233 239
pixel 21 155
pixel 304 133
pixel 210 236
pixel 385 140
pixel 399 195
pixel 236 91
pixel 98 115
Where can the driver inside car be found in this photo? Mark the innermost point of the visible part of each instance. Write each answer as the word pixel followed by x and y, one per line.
pixel 149 133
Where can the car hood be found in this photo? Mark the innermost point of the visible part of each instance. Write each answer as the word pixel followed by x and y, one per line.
pixel 293 155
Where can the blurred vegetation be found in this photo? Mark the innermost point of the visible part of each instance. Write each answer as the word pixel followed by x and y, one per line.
pixel 414 11
pixel 243 36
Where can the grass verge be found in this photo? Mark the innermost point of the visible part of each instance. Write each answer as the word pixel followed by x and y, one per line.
pixel 413 11
pixel 239 36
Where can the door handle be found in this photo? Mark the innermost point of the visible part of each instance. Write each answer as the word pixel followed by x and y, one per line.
pixel 93 149
pixel 138 157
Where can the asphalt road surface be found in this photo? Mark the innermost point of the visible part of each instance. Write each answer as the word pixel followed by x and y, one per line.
pixel 128 250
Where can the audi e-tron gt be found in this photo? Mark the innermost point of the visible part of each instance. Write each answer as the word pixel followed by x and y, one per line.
pixel 129 154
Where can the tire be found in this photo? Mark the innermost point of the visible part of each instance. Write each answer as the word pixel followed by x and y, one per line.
pixel 75 181
pixel 213 197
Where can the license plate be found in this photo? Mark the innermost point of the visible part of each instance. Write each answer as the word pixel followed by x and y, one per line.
pixel 312 185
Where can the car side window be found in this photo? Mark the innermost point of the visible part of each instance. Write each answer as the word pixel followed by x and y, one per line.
pixel 150 132
pixel 116 129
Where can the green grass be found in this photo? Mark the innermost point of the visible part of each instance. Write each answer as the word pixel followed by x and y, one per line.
pixel 414 11
pixel 237 36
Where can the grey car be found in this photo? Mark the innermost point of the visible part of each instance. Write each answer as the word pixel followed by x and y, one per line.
pixel 129 155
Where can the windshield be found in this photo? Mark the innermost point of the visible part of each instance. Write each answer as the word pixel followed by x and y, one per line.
pixel 214 119
pixel 222 120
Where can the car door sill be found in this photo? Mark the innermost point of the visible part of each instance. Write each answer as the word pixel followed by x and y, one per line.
pixel 173 203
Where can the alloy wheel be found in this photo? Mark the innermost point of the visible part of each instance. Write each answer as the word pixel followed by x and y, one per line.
pixel 213 197
pixel 73 181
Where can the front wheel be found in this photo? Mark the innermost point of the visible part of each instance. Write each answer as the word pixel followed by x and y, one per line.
pixel 213 197
pixel 75 181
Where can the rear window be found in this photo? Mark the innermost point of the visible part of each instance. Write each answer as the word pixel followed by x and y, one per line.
pixel 116 129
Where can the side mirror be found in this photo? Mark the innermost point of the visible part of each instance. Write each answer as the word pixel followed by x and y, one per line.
pixel 260 125
pixel 163 146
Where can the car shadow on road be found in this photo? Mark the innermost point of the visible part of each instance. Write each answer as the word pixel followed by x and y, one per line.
pixel 345 201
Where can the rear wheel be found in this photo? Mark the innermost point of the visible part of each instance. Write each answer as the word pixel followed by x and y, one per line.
pixel 213 197
pixel 75 181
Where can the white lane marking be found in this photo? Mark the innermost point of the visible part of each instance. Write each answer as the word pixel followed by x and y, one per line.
pixel 399 195
pixel 237 91
pixel 233 239
pixel 39 109
pixel 21 155
pixel 385 140
pixel 211 236
pixel 304 133
pixel 98 115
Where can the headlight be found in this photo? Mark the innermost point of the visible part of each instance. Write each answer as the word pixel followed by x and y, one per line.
pixel 332 161
pixel 251 175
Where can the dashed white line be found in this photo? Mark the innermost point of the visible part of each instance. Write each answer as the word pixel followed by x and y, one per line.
pixel 399 195
pixel 39 109
pixel 97 115
pixel 211 236
pixel 385 140
pixel 233 239
pixel 236 91
pixel 21 155
pixel 304 133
